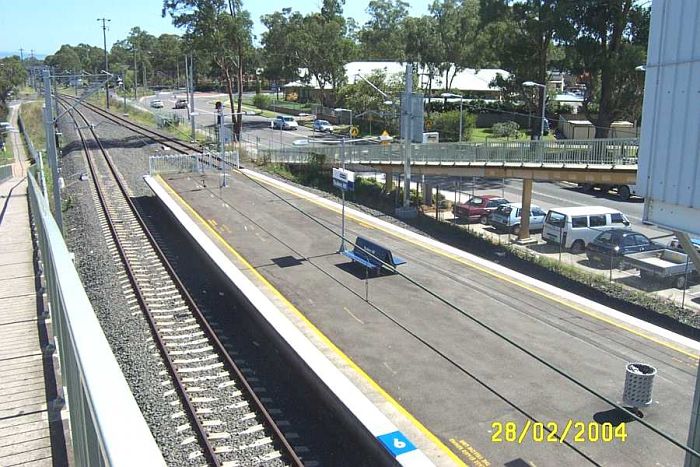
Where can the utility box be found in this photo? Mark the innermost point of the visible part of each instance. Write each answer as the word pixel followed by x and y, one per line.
pixel 431 137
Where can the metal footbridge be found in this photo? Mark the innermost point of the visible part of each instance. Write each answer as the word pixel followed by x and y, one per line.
pixel 610 161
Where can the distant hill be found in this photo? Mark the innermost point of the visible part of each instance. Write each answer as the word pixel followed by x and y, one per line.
pixel 4 54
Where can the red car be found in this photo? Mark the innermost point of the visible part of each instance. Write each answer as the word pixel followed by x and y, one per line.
pixel 479 208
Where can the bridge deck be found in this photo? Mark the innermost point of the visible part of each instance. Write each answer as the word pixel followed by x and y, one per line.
pixel 31 431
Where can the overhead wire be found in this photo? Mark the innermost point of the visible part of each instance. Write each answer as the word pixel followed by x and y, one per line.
pixel 487 327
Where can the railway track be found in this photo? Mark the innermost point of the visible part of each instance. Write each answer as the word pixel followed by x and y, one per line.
pixel 163 139
pixel 222 418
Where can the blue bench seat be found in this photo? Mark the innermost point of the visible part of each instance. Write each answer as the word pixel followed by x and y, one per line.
pixel 372 255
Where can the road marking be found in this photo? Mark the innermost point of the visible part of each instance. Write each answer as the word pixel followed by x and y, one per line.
pixel 488 271
pixel 321 336
pixel 351 314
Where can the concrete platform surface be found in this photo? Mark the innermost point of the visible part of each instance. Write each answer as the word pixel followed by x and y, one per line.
pixel 471 397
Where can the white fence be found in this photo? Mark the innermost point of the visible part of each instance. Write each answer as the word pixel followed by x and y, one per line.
pixel 200 163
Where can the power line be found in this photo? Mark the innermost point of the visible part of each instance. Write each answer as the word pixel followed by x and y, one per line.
pixel 491 329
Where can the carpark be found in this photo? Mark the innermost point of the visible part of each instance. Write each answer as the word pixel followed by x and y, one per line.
pixel 628 276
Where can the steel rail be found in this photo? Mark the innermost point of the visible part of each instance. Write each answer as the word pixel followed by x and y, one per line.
pixel 138 128
pixel 289 451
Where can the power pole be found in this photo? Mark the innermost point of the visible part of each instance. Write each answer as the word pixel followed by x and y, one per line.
pixel 51 147
pixel 407 135
pixel 104 39
pixel 136 78
pixel 190 87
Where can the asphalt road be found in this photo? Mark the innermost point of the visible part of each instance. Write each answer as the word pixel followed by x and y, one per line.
pixel 255 127
pixel 545 194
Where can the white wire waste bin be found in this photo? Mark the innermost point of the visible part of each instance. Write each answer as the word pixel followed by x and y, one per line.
pixel 639 383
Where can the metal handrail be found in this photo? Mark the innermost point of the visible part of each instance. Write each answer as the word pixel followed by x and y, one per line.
pixel 590 152
pixel 108 427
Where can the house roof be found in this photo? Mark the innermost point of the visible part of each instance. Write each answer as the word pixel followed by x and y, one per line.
pixel 469 79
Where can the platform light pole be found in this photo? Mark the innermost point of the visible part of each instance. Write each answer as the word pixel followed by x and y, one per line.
pixel 104 40
pixel 530 84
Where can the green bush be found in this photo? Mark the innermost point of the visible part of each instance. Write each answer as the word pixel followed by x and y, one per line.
pixel 262 101
pixel 507 129
pixel 447 124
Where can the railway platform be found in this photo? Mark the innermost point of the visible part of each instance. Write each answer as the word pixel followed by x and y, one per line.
pixel 446 349
pixel 31 425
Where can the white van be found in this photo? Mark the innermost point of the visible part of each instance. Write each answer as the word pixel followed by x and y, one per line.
pixel 577 226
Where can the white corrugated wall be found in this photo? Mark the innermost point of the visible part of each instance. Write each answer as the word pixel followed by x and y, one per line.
pixel 669 161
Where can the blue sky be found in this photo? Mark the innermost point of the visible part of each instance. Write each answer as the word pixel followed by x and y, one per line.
pixel 44 25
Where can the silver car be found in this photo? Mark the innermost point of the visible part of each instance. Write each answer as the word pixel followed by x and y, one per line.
pixel 506 218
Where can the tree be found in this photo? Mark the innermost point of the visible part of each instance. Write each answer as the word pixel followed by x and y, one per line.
pixel 277 49
pixel 423 46
pixel 457 24
pixel 92 58
pixel 221 31
pixel 167 56
pixel 382 37
pixel 65 60
pixel 361 97
pixel 12 75
pixel 326 48
pixel 525 34
pixel 607 39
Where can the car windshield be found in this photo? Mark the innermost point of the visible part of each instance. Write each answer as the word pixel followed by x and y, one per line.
pixel 288 119
pixel 322 122
pixel 556 219
pixel 605 237
pixel 504 210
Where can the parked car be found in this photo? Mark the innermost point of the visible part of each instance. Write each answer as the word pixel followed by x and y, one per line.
pixel 157 104
pixel 478 208
pixel 323 126
pixel 181 104
pixel 506 218
pixel 575 227
pixel 609 247
pixel 284 122
pixel 674 244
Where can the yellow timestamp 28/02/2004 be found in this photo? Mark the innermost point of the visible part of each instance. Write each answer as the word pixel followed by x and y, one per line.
pixel 549 432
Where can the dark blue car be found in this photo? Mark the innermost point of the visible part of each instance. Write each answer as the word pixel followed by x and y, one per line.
pixel 608 248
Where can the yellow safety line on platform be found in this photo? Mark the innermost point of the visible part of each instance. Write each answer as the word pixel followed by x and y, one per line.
pixel 490 272
pixel 315 330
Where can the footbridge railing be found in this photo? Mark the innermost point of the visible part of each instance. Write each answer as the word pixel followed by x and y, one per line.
pixel 601 152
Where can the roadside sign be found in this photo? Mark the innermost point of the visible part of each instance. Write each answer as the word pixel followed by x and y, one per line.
pixel 385 138
pixel 344 179
pixel 354 131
